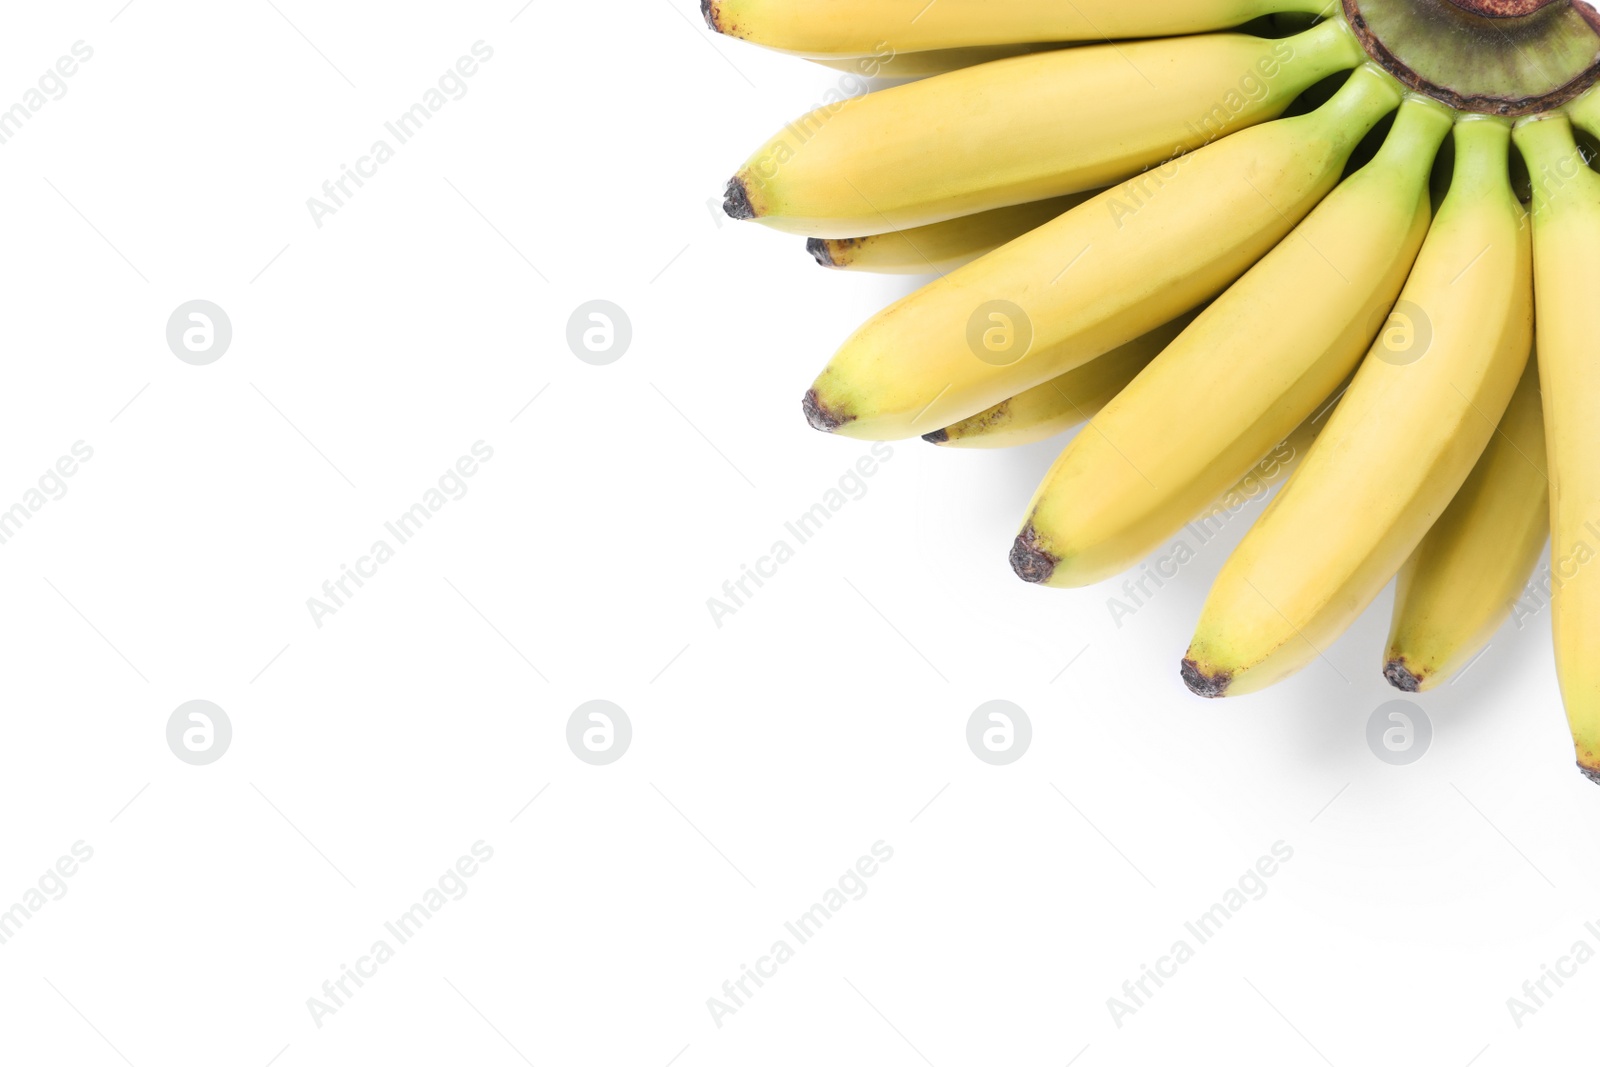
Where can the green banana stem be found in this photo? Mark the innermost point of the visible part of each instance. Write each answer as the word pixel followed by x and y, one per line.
pixel 1483 152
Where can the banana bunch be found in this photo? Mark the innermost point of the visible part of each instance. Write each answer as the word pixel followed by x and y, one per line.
pixel 1212 231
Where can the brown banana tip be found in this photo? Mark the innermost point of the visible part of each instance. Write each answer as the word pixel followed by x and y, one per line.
pixel 1400 676
pixel 818 414
pixel 1031 562
pixel 708 11
pixel 818 247
pixel 1202 684
pixel 1590 773
pixel 736 200
pixel 937 437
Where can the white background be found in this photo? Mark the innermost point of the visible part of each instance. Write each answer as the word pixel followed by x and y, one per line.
pixel 829 713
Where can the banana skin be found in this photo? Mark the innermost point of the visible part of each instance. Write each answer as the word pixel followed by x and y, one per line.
pixel 1106 272
pixel 940 246
pixel 1154 456
pixel 1403 440
pixel 824 29
pixel 1566 241
pixel 1015 130
pixel 1461 582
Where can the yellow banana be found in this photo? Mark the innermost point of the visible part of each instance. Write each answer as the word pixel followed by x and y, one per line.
pixel 1061 403
pixel 940 246
pixel 1461 582
pixel 1566 237
pixel 1022 129
pixel 1109 270
pixel 1166 445
pixel 1401 443
pixel 890 64
pixel 823 28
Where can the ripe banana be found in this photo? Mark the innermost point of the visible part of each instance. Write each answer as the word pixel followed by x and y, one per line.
pixel 891 64
pixel 1461 582
pixel 1109 270
pixel 1022 129
pixel 1401 443
pixel 1063 402
pixel 941 246
pixel 822 28
pixel 1159 451
pixel 1566 232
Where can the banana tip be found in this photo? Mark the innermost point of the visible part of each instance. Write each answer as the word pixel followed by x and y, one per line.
pixel 1031 562
pixel 708 11
pixel 819 415
pixel 1400 676
pixel 736 200
pixel 1200 683
pixel 820 251
pixel 937 437
pixel 1590 773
